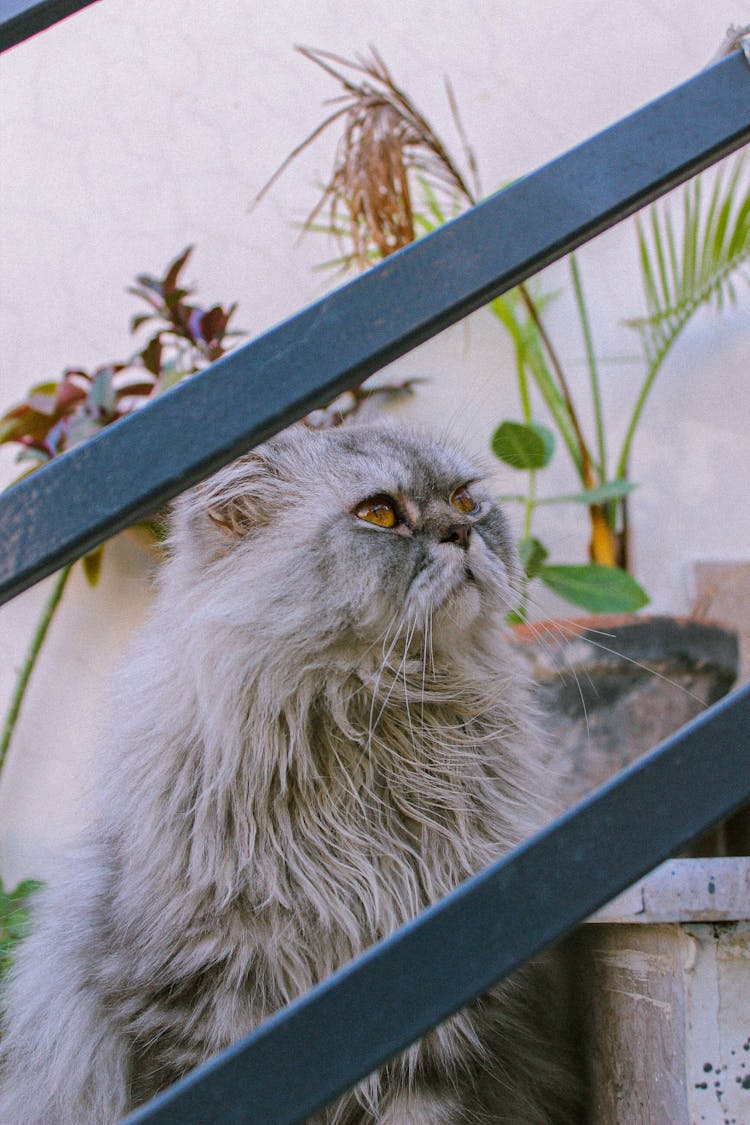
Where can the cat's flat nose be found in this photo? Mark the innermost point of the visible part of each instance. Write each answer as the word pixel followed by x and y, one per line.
pixel 459 534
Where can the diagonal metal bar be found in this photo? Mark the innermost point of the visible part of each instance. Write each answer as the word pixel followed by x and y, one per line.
pixel 370 1010
pixel 19 20
pixel 123 474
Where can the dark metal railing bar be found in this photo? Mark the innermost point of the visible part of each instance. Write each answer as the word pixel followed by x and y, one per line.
pixel 370 1010
pixel 459 947
pixel 124 474
pixel 19 20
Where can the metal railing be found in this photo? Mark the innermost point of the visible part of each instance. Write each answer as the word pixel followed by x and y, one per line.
pixel 84 496
pixel 325 1042
pixel 19 19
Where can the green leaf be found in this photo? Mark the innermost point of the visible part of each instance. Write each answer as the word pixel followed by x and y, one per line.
pixel 102 396
pixel 151 355
pixel 156 528
pixel 523 446
pixel 516 617
pixel 92 566
pixel 611 490
pixel 13 426
pixel 438 215
pixel 25 888
pixel 599 589
pixel 43 397
pixel 532 554
pixel 170 376
pixel 424 224
pixel 14 919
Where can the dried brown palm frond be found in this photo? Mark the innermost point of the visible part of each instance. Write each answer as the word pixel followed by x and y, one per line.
pixel 387 147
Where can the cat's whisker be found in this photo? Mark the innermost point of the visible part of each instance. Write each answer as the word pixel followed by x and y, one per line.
pixel 542 629
pixel 546 630
pixel 566 628
pixel 550 632
pixel 647 668
pixel 381 639
pixel 425 648
pixel 432 646
pixel 372 721
pixel 407 646
pixel 398 672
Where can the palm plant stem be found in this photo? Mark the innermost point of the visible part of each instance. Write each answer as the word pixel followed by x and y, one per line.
pixel 586 471
pixel 596 397
pixel 648 382
pixel 32 655
pixel 530 502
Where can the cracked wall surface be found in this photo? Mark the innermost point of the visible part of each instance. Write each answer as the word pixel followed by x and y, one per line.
pixel 134 129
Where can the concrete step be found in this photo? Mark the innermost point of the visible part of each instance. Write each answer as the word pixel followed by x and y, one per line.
pixel 663 973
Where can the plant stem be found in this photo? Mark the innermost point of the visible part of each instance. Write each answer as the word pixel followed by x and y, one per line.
pixel 596 397
pixel 623 536
pixel 530 504
pixel 587 476
pixel 31 658
pixel 648 382
pixel 523 385
pixel 601 548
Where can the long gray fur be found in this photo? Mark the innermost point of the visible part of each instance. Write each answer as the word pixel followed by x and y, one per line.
pixel 320 731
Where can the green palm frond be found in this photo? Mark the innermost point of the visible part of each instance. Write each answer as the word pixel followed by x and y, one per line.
pixel 681 275
pixel 685 270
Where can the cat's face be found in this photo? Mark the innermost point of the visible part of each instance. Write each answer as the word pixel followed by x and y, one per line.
pixel 350 531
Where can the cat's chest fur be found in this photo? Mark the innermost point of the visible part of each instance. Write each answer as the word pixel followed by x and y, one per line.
pixel 382 802
pixel 369 818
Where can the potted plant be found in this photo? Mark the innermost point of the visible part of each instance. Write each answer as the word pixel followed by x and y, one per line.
pixel 58 414
pixel 394 179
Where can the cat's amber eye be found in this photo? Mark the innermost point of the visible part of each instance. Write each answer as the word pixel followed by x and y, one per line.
pixel 379 510
pixel 462 499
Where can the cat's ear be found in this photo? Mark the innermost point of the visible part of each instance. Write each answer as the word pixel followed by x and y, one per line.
pixel 230 519
pixel 243 497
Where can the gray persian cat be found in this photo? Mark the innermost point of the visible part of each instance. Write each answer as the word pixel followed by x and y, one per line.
pixel 320 732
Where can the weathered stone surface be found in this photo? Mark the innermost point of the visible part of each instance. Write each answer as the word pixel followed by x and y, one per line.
pixel 664 1018
pixel 612 688
pixel 722 592
pixel 713 889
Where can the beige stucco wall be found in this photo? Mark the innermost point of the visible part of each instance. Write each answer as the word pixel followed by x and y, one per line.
pixel 136 128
